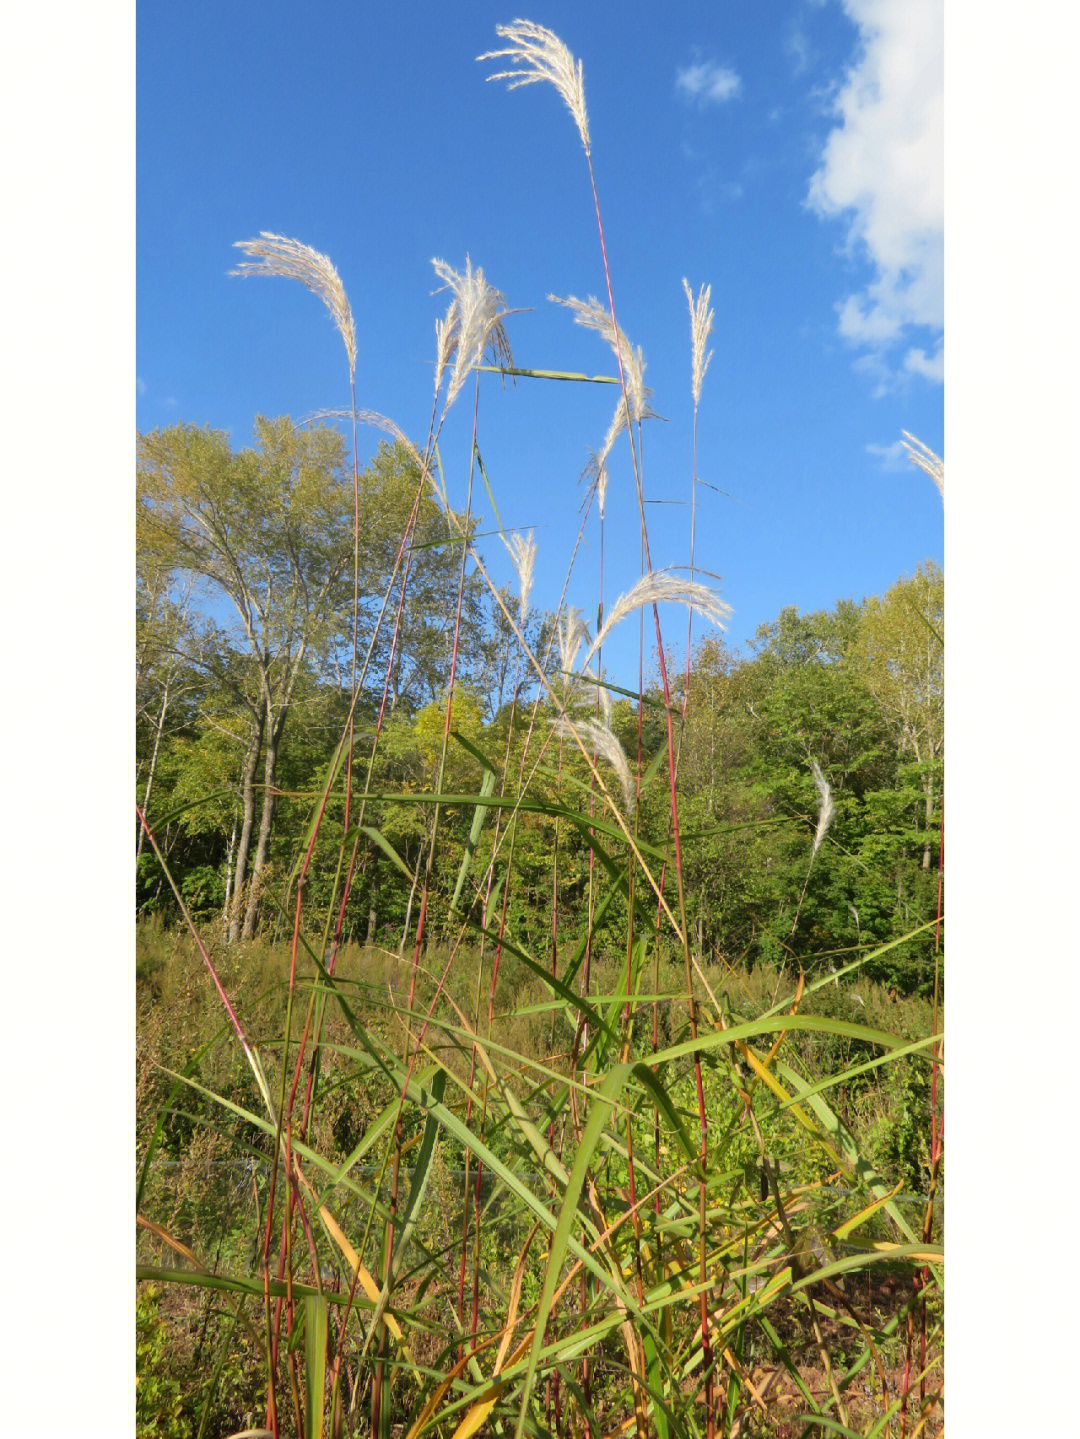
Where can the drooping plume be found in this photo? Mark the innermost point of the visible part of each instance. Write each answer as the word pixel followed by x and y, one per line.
pixel 701 323
pixel 827 808
pixel 596 736
pixel 592 314
pixel 663 588
pixel 276 255
pixel 923 456
pixel 473 325
pixel 539 54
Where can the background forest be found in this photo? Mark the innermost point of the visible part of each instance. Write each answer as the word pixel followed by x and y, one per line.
pixel 245 600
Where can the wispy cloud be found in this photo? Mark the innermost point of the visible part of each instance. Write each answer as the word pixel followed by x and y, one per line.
pixel 140 385
pixel 708 83
pixel 798 49
pixel 932 367
pixel 893 457
pixel 882 171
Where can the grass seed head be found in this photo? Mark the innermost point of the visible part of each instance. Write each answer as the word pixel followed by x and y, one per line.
pixel 539 54
pixel 701 323
pixel 923 456
pixel 593 316
pixel 663 588
pixel 596 736
pixel 277 255
pixel 522 551
pixel 473 325
pixel 827 809
pixel 571 634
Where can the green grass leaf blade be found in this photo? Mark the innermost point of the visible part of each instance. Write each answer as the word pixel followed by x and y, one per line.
pixel 316 1327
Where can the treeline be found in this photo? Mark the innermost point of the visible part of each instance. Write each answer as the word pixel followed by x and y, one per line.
pixel 245 665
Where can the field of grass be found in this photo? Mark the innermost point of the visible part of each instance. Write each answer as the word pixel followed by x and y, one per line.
pixel 470 1187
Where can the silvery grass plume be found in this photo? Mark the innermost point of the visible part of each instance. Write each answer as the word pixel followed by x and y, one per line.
pixel 827 809
pixel 701 323
pixel 473 325
pixel 582 687
pixel 571 633
pixel 594 316
pixel 276 255
pixel 596 470
pixel 523 553
pixel 663 588
pixel 539 54
pixel 923 456
pixel 599 738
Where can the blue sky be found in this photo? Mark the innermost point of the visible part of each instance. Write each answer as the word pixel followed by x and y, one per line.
pixel 787 154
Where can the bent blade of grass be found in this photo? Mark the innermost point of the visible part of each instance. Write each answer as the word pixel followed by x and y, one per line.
pixel 551 374
pixel 845 1144
pixel 377 837
pixel 421 1175
pixel 487 785
pixel 915 1047
pixel 366 1278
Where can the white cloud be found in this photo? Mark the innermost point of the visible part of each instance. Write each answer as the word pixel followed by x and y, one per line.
pixel 708 83
pixel 917 362
pixel 882 170
pixel 893 457
pixel 140 385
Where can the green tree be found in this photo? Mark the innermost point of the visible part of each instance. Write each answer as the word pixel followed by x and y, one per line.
pixel 900 655
pixel 270 530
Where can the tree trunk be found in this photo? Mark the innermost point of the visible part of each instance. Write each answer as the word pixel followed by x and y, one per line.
pixel 408 907
pixel 273 742
pixel 153 763
pixel 228 879
pixel 928 790
pixel 247 790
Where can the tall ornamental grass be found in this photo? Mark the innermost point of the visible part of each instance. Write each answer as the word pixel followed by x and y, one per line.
pixel 651 1221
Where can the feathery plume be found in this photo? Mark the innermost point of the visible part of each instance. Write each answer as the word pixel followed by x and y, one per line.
pixel 923 456
pixel 446 333
pixel 593 316
pixel 473 325
pixel 827 809
pixel 701 323
pixel 589 690
pixel 598 737
pixel 663 588
pixel 276 255
pixel 541 55
pixel 523 553
pixel 571 634
pixel 601 488
pixel 596 467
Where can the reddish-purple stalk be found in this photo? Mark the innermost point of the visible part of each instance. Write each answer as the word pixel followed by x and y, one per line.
pixel 489 884
pixel 287 1111
pixel 582 1027
pixel 285 1247
pixel 626 1018
pixel 399 1135
pixel 534 712
pixel 347 738
pixel 702 1117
